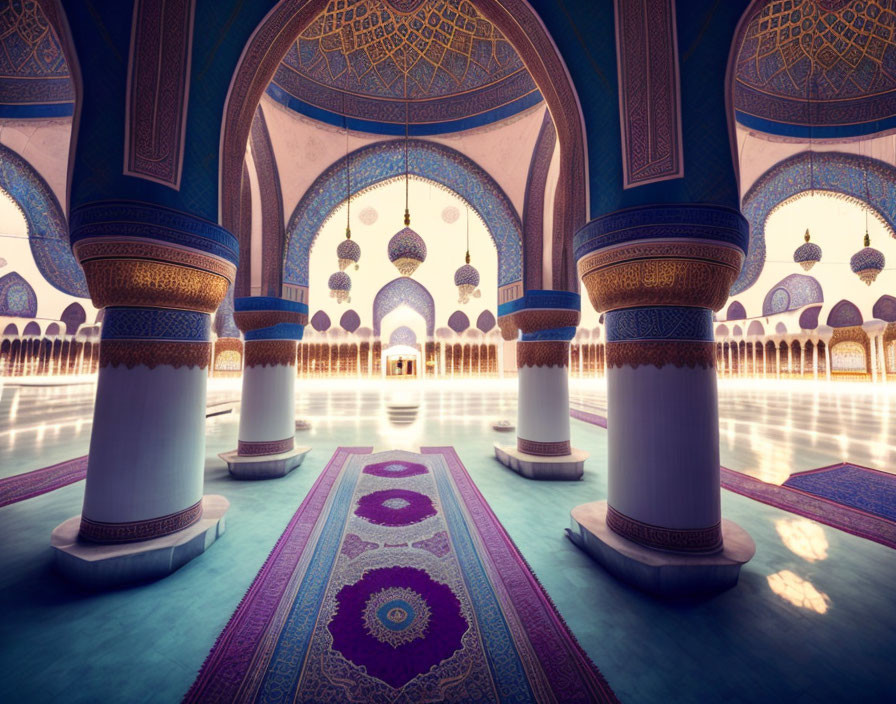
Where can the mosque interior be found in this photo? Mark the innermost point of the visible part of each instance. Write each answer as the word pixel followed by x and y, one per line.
pixel 447 350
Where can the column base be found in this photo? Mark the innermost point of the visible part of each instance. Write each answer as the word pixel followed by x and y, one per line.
pixel 571 466
pixel 264 466
pixel 103 566
pixel 656 571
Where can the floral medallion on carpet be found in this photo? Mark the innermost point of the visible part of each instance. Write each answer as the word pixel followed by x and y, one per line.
pixel 394 582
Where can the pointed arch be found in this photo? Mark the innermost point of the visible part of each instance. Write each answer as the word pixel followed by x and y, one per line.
pixel 382 162
pixel 47 226
pixel 835 173
pixel 404 291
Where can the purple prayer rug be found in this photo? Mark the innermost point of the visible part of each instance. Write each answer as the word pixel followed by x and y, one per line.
pixel 40 481
pixel 395 582
pixel 854 499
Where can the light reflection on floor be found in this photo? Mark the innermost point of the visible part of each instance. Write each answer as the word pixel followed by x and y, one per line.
pixel 798 591
pixel 810 589
pixel 803 537
pixel 767 429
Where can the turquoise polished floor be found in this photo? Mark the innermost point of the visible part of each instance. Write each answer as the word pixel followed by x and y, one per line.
pixel 812 619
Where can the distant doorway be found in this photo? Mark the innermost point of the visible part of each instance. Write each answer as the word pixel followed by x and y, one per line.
pixel 399 365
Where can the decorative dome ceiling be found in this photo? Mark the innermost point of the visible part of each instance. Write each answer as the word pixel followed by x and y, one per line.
pixel 830 64
pixel 34 77
pixel 458 70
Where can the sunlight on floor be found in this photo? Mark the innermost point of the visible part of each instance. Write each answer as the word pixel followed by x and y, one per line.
pixel 799 592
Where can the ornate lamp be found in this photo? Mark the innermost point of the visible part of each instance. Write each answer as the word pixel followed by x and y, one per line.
pixel 407 251
pixel 868 262
pixel 340 287
pixel 466 278
pixel 348 251
pixel 807 254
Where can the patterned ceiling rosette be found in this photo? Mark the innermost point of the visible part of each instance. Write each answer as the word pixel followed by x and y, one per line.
pixel 397 623
pixel 407 251
pixel 438 59
pixel 368 216
pixel 828 64
pixel 396 469
pixel 450 214
pixel 395 507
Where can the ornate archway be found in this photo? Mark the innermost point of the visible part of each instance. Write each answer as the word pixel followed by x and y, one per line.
pixel 519 23
pixel 404 291
pixel 47 226
pixel 834 173
pixel 383 162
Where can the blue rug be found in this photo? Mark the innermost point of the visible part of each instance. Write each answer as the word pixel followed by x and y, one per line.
pixel 865 489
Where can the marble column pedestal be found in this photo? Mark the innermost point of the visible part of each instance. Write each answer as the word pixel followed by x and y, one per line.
pixel 105 565
pixel 656 571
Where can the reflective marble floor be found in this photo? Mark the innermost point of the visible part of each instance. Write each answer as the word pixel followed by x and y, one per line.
pixel 812 619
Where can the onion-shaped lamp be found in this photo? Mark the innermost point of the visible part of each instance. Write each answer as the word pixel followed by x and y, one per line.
pixel 807 254
pixel 868 262
pixel 340 287
pixel 348 251
pixel 466 278
pixel 407 251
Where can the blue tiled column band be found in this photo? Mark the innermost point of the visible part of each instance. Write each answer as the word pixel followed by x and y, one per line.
pixel 116 219
pixel 691 221
pixel 539 310
pixel 155 336
pixel 670 255
pixel 140 254
pixel 156 324
pixel 667 323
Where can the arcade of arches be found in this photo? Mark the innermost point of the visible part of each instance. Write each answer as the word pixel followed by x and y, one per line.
pixel 447 350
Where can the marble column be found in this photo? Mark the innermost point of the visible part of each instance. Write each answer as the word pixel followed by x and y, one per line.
pixel 815 360
pixel 547 323
pixel 159 274
pixel 272 328
pixel 661 527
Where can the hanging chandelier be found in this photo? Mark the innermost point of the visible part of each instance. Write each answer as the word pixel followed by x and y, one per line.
pixel 868 262
pixel 407 250
pixel 340 285
pixel 807 254
pixel 348 252
pixel 466 278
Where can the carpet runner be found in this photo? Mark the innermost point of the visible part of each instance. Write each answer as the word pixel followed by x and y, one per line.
pixel 851 498
pixel 395 582
pixel 25 486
